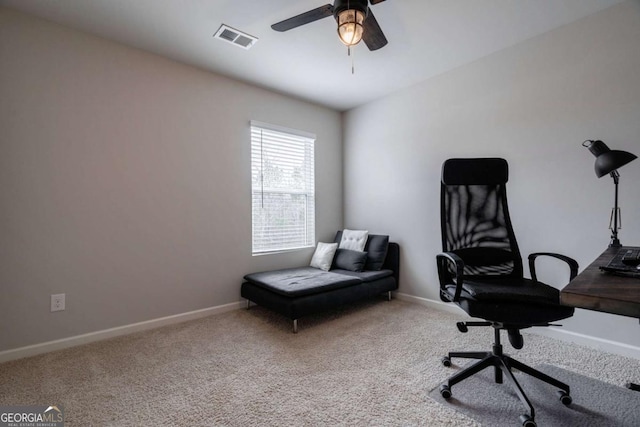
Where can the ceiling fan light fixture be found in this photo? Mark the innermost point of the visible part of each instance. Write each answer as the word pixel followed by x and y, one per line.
pixel 350 27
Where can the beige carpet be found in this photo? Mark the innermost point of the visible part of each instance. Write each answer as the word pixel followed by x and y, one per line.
pixel 369 365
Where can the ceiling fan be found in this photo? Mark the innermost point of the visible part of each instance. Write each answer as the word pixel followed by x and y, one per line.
pixel 355 22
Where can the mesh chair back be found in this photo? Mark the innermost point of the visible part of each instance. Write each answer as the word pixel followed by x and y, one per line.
pixel 475 218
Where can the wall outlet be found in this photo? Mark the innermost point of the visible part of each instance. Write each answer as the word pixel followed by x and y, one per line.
pixel 57 302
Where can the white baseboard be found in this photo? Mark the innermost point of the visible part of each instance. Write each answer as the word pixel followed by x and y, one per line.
pixel 33 350
pixel 601 344
pixel 45 347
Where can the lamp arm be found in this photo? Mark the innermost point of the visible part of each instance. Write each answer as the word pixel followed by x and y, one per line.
pixel 616 176
pixel 615 215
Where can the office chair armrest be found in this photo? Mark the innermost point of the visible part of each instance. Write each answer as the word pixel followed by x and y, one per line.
pixel 573 264
pixel 449 257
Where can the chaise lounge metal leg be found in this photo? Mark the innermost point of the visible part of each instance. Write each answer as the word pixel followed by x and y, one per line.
pixel 389 296
pixel 248 304
pixel 295 326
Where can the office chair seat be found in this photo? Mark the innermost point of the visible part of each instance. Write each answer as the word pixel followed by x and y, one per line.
pixel 502 301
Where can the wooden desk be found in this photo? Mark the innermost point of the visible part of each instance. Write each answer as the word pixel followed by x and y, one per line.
pixel 594 289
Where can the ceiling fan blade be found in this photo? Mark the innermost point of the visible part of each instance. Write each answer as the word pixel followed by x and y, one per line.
pixel 376 1
pixel 372 34
pixel 304 18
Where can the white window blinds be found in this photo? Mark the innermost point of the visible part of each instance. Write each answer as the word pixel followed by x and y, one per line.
pixel 282 188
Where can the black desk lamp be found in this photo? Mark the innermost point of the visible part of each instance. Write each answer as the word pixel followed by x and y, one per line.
pixel 608 162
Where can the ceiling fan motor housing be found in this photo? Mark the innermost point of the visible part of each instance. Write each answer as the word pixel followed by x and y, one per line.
pixel 355 22
pixel 342 5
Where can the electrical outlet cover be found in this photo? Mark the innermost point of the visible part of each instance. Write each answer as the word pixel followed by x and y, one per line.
pixel 57 302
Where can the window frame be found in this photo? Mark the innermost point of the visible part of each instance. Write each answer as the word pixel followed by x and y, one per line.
pixel 285 147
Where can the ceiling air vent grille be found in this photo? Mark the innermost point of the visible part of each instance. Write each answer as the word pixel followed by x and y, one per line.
pixel 233 36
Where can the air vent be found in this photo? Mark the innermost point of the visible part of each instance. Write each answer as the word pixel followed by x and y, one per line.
pixel 238 38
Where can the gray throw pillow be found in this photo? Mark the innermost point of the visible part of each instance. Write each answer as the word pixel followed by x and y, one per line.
pixel 346 259
pixel 376 248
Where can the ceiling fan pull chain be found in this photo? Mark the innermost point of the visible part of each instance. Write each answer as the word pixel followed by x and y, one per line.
pixel 353 68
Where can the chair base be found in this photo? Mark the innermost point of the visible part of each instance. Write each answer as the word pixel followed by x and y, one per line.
pixel 503 366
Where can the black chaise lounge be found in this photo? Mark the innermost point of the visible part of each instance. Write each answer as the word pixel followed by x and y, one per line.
pixel 303 291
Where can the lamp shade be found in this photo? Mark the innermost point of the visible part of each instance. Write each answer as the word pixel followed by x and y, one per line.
pixel 612 160
pixel 607 160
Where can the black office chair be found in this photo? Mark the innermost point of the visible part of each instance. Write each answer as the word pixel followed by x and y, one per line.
pixel 481 271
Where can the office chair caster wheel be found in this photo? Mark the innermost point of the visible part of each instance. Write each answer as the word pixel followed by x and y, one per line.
pixel 564 397
pixel 462 327
pixel 515 338
pixel 446 361
pixel 527 421
pixel 445 391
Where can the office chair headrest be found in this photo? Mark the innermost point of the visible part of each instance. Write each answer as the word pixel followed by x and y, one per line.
pixel 484 171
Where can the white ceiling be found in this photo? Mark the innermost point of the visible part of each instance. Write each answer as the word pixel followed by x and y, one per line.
pixel 426 38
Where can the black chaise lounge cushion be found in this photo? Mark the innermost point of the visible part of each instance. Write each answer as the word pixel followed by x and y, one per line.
pixel 294 282
pixel 366 276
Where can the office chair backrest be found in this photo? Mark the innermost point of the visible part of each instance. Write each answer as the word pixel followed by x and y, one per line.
pixel 475 218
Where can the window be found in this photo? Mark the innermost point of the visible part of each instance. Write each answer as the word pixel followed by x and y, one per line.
pixel 282 188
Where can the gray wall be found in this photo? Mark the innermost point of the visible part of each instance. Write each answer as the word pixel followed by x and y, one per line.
pixel 532 104
pixel 125 182
pixel 124 177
